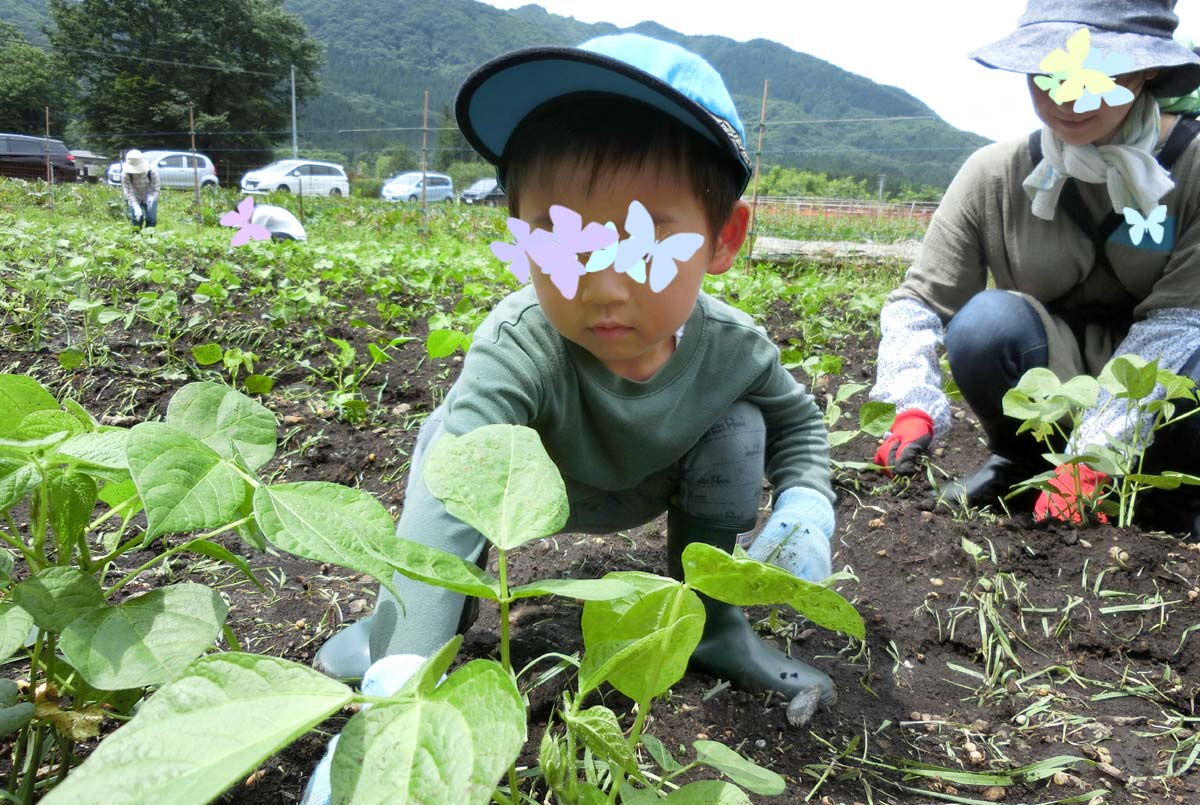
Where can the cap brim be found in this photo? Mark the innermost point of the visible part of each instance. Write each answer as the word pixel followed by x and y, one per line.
pixel 1023 51
pixel 494 99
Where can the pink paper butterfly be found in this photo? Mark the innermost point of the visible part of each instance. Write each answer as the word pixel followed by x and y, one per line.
pixel 247 231
pixel 517 254
pixel 559 256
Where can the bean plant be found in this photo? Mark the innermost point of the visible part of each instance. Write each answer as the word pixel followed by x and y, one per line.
pixel 192 720
pixel 1051 410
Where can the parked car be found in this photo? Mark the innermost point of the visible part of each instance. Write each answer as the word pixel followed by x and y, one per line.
pixel 486 192
pixel 92 167
pixel 303 176
pixel 24 157
pixel 407 187
pixel 178 169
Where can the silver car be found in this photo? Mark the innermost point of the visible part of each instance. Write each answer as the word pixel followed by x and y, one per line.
pixel 408 187
pixel 178 169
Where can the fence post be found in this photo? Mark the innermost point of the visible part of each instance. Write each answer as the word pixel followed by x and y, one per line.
pixel 49 168
pixel 424 166
pixel 195 169
pixel 762 125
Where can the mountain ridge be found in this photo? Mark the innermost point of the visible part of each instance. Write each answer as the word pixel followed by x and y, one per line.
pixel 381 55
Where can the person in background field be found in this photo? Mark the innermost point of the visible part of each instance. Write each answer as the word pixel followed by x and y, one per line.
pixel 279 222
pixel 1060 223
pixel 139 185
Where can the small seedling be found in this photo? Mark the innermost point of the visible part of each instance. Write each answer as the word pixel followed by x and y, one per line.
pixel 1051 410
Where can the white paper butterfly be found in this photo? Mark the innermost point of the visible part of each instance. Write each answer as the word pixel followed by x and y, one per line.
pixel 633 252
pixel 1152 223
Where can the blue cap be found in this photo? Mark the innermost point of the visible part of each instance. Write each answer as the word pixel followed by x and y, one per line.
pixel 494 99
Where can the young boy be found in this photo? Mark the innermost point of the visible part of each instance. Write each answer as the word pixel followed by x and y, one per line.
pixel 647 400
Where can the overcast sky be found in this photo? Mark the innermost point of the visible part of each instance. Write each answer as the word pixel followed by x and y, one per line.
pixel 918 46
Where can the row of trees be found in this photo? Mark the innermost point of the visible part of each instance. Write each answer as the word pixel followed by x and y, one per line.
pixel 130 73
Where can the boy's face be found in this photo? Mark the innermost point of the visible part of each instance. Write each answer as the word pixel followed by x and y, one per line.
pixel 627 326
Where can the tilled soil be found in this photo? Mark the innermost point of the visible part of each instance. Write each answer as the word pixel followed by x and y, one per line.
pixel 1063 673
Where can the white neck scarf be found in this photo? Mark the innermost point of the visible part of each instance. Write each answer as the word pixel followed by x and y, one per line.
pixel 1127 166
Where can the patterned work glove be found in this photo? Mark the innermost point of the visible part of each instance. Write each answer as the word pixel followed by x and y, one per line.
pixel 1070 501
pixel 909 438
pixel 796 538
pixel 383 678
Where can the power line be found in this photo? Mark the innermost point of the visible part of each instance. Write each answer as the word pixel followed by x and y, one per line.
pixel 864 150
pixel 112 55
pixel 352 131
pixel 770 123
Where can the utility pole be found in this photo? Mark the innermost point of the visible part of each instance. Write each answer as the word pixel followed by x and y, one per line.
pixel 195 162
pixel 762 125
pixel 882 178
pixel 295 147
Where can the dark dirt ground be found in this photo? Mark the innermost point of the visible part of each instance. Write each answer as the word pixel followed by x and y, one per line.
pixel 923 597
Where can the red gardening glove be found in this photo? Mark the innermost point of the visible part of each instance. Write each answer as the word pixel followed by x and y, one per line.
pixel 909 438
pixel 1069 501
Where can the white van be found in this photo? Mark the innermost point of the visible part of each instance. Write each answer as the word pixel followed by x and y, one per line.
pixel 303 176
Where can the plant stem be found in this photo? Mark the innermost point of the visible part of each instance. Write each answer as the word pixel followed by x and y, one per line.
pixel 125 547
pixel 133 574
pixel 505 600
pixel 19 545
pixel 39 524
pixel 635 735
pixel 120 507
pixel 33 759
pixel 504 604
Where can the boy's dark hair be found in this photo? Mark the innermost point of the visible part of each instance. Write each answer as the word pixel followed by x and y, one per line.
pixel 611 132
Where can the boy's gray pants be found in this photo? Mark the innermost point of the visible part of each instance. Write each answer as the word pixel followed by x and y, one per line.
pixel 719 479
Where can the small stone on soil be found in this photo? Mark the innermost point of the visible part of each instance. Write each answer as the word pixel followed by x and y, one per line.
pixel 994 794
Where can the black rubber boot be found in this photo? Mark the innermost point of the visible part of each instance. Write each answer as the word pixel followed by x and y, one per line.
pixel 347 655
pixel 729 648
pixel 1015 458
pixel 1177 448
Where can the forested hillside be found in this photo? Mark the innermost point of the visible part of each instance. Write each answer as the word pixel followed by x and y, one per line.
pixel 381 56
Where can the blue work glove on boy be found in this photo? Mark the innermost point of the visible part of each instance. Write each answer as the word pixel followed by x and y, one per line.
pixel 797 536
pixel 383 678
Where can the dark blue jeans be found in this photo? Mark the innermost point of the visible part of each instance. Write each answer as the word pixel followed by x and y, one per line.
pixel 996 337
pixel 148 216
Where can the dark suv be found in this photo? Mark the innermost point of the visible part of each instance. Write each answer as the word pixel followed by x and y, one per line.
pixel 24 157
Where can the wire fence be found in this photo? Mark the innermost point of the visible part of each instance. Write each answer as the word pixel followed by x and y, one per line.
pixel 368 156
pixel 805 218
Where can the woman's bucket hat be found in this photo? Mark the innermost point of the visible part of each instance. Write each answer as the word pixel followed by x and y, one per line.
pixel 1138 29
pixel 135 162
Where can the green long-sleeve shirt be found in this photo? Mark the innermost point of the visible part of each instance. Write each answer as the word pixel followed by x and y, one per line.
pixel 608 432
